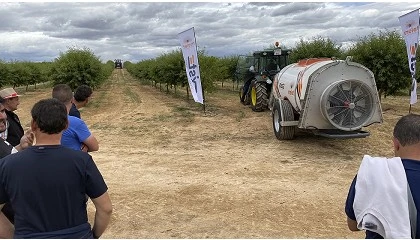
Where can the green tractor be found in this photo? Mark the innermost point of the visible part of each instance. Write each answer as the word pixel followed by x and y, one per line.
pixel 257 73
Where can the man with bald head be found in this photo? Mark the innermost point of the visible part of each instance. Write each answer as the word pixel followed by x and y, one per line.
pixel 77 136
pixel 389 195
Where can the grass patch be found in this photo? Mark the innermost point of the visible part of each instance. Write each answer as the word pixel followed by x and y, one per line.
pixel 161 118
pixel 132 95
pixel 184 113
pixel 97 101
pixel 241 115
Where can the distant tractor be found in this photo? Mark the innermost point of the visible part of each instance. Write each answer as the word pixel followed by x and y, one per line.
pixel 118 63
pixel 328 97
pixel 257 72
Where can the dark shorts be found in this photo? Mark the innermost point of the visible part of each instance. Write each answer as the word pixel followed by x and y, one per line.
pixel 7 210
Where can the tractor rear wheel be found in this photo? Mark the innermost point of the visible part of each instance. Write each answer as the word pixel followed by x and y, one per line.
pixel 283 132
pixel 259 96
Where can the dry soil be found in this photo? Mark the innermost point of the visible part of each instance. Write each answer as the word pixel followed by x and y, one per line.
pixel 177 171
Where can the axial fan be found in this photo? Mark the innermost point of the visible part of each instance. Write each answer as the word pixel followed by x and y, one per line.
pixel 347 104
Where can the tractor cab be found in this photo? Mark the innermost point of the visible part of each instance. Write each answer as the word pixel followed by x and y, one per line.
pixel 271 61
pixel 118 63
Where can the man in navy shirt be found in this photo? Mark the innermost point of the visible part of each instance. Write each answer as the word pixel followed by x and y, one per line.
pixel 81 98
pixel 47 184
pixel 406 141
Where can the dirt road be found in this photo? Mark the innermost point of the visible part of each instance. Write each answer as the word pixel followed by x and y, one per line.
pixel 174 171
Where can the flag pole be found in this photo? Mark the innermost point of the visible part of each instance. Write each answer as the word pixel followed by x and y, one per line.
pixel 198 63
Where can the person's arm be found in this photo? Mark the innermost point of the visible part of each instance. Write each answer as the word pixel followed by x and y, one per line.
pixel 91 143
pixel 86 138
pixel 352 224
pixel 103 212
pixel 351 218
pixel 26 140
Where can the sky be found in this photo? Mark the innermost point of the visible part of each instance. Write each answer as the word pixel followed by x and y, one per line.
pixel 135 31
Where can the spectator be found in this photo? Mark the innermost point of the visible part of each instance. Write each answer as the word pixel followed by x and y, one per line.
pixel 77 136
pixel 7 213
pixel 14 131
pixel 384 190
pixel 50 199
pixel 80 99
pixel 272 65
pixel 249 76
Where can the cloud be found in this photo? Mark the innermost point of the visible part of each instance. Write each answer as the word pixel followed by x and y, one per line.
pixel 133 31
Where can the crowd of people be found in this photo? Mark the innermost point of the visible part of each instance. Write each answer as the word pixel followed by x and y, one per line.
pixel 47 175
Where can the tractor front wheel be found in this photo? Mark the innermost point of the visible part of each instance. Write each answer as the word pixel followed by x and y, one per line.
pixel 259 96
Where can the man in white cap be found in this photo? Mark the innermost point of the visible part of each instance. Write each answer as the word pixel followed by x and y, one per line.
pixel 14 130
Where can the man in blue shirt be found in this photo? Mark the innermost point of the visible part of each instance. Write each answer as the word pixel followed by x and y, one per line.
pixel 406 143
pixel 77 136
pixel 50 199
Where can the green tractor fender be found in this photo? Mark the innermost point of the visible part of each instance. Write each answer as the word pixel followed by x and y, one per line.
pixel 259 78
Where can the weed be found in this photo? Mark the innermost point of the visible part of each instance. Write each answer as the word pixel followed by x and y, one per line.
pixel 240 116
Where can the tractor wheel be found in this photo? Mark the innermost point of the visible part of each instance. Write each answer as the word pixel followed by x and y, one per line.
pixel 246 98
pixel 283 132
pixel 259 97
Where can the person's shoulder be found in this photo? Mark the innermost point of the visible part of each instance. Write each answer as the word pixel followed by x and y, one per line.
pixel 9 113
pixel 65 152
pixel 75 120
pixel 13 157
pixel 77 155
pixel 410 164
pixel 5 148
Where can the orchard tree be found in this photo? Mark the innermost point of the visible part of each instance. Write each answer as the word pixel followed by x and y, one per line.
pixel 385 55
pixel 77 67
pixel 4 74
pixel 20 74
pixel 318 47
pixel 229 64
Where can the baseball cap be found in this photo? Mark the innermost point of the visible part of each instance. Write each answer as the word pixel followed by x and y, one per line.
pixel 8 93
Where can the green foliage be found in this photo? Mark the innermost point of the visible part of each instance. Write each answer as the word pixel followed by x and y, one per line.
pixel 230 64
pixel 4 74
pixel 318 47
pixel 169 69
pixel 211 70
pixel 385 55
pixel 77 67
pixel 20 74
pixel 23 73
